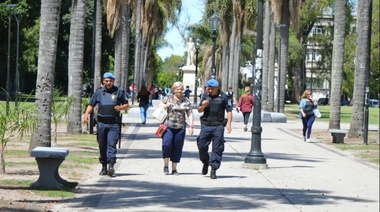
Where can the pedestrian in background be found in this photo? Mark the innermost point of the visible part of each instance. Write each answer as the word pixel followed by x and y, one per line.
pixel 213 104
pixel 307 105
pixel 230 95
pixel 111 100
pixel 143 98
pixel 178 108
pixel 187 92
pixel 245 105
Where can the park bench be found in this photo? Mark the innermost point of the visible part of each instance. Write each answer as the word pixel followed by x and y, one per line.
pixel 338 135
pixel 48 161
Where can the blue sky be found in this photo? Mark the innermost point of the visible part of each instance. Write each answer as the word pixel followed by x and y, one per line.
pixel 192 9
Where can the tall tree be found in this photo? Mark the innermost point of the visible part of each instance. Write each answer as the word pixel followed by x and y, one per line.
pixel 76 45
pixel 284 12
pixel 266 44
pixel 98 43
pixel 50 11
pixel 337 64
pixel 361 67
pixel 271 66
pixel 114 19
pixel 138 39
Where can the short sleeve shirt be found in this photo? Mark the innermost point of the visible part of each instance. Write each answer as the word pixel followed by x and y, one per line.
pixel 176 118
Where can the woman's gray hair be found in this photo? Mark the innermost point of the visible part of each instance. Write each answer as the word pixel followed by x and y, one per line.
pixel 176 85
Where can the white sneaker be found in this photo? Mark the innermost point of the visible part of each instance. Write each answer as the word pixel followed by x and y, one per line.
pixel 307 140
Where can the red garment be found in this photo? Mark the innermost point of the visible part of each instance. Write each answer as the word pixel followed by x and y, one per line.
pixel 246 107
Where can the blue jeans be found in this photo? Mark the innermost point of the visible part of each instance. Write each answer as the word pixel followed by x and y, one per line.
pixel 143 110
pixel 246 117
pixel 307 123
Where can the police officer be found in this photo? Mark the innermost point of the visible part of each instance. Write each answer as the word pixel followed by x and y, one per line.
pixel 213 105
pixel 111 101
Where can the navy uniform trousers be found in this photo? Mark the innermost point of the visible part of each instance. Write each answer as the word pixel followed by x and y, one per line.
pixel 107 136
pixel 214 134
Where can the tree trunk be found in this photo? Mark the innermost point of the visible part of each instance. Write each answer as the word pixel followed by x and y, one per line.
pixel 357 115
pixel 76 45
pixel 285 19
pixel 98 44
pixel 50 11
pixel 137 46
pixel 232 59
pixel 337 63
pixel 266 43
pixel 125 46
pixel 272 53
pixel 2 161
pixel 118 53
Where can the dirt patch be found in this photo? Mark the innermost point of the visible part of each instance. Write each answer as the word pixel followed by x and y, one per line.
pixel 353 146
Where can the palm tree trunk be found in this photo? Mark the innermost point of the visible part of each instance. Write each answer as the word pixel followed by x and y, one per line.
pixel 50 11
pixel 98 44
pixel 118 53
pixel 272 53
pixel 233 57
pixel 363 20
pixel 125 45
pixel 76 46
pixel 337 63
pixel 138 45
pixel 285 19
pixel 266 43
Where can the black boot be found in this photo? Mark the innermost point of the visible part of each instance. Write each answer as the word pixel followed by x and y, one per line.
pixel 104 170
pixel 213 173
pixel 205 168
pixel 111 170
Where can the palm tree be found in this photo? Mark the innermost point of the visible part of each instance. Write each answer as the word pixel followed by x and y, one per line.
pixel 361 64
pixel 50 11
pixel 98 43
pixel 271 66
pixel 137 14
pixel 76 45
pixel 114 19
pixel 284 12
pixel 266 45
pixel 337 63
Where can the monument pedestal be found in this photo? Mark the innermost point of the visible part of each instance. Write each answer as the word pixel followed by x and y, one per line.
pixel 188 78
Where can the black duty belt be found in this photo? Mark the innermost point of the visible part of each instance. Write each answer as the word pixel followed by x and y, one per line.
pixel 108 120
pixel 212 123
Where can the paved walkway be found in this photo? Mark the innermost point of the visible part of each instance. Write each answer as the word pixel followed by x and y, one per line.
pixel 300 176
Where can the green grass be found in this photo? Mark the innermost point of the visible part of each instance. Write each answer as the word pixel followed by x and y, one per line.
pixel 17 153
pixel 16 182
pixel 346 147
pixel 292 111
pixel 20 163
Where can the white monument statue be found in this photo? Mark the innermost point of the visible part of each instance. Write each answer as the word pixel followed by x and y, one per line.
pixel 190 46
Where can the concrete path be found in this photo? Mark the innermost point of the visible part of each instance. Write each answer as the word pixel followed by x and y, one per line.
pixel 300 176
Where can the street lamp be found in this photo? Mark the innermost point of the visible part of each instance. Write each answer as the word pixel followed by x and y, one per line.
pixel 180 70
pixel 279 67
pixel 214 25
pixel 197 45
pixel 255 158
